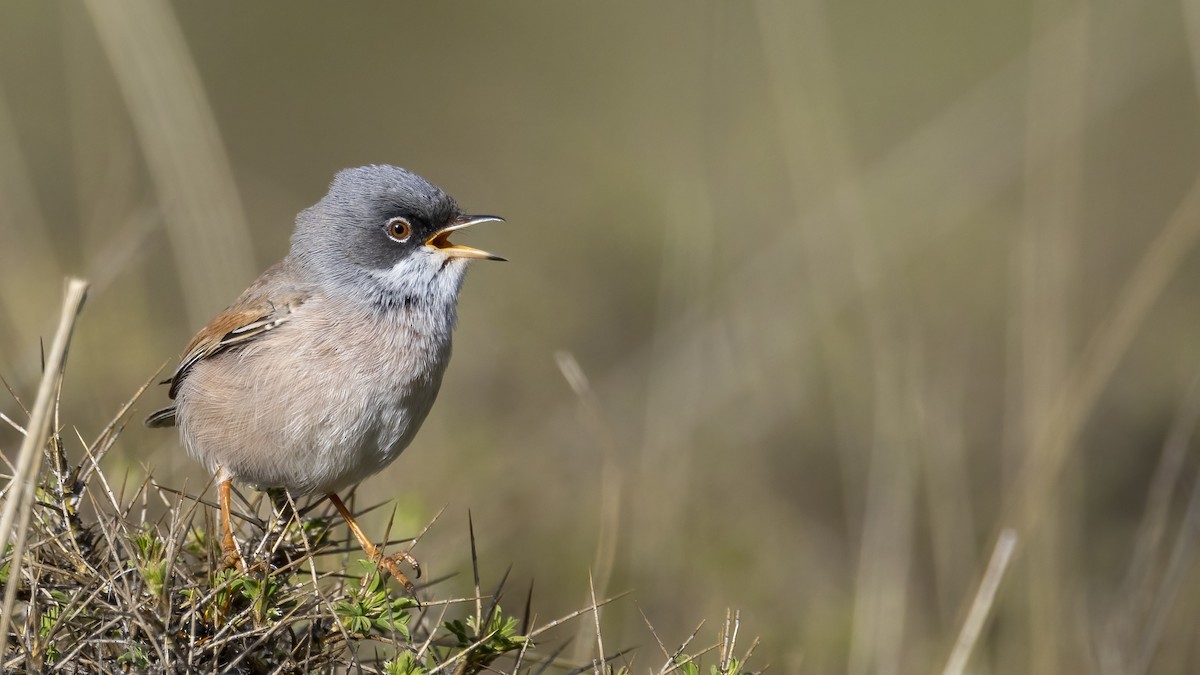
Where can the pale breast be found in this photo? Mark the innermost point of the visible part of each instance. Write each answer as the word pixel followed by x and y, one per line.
pixel 319 403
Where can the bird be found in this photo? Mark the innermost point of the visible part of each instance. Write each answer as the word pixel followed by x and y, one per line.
pixel 321 373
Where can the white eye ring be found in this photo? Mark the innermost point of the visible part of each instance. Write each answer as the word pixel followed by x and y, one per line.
pixel 399 229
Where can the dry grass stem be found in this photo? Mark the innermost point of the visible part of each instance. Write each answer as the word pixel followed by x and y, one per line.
pixel 19 495
pixel 982 604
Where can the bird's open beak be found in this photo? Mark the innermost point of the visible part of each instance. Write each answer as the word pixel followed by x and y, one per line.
pixel 441 240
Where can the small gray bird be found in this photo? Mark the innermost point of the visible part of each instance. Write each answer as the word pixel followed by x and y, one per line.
pixel 322 372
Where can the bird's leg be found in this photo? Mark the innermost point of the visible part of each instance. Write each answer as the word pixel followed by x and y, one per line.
pixel 390 563
pixel 229 552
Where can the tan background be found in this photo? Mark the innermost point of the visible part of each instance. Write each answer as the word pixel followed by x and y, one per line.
pixel 856 284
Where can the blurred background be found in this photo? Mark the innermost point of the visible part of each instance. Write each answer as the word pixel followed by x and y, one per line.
pixel 808 302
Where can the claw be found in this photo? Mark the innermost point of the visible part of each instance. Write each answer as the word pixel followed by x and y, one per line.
pixel 389 564
pixel 412 562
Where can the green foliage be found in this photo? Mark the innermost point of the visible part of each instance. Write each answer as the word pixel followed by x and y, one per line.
pixel 498 637
pixel 370 607
pixel 51 613
pixel 265 595
pixel 256 598
pixel 135 657
pixel 314 531
pixel 405 663
pixel 150 558
pixel 7 565
pixel 687 665
pixel 196 541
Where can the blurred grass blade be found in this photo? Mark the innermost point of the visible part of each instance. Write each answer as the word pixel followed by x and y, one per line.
pixel 182 145
pixel 1076 399
pixel 982 605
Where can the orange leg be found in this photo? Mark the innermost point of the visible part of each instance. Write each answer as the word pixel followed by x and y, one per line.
pixel 390 563
pixel 229 552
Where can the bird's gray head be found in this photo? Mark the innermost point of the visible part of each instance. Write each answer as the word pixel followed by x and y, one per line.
pixel 382 234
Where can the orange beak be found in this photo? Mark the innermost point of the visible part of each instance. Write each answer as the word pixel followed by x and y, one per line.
pixel 441 240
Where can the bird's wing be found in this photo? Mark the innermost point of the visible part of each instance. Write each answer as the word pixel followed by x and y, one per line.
pixel 234 326
pixel 254 314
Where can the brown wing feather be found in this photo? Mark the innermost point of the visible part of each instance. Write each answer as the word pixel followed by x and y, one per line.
pixel 266 305
pixel 234 326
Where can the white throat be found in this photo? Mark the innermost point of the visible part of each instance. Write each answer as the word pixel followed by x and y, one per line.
pixel 422 289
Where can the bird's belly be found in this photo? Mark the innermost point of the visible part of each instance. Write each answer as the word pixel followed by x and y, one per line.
pixel 344 443
pixel 310 430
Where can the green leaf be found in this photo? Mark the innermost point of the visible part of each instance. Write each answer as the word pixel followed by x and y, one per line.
pixel 687 666
pixel 405 663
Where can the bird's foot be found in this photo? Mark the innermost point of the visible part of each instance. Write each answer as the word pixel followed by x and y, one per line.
pixel 231 559
pixel 406 557
pixel 391 563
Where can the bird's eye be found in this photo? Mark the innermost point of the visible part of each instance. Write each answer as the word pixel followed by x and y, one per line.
pixel 399 229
